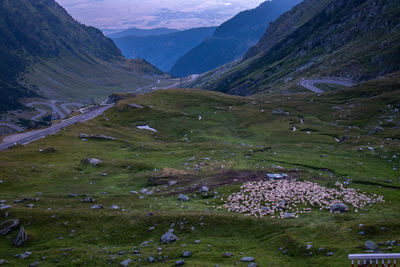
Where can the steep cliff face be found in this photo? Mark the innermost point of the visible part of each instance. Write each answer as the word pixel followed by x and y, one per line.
pixel 232 39
pixel 355 39
pixel 35 32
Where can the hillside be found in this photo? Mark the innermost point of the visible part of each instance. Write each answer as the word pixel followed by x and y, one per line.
pixel 163 50
pixel 357 40
pixel 75 213
pixel 139 32
pixel 232 39
pixel 44 52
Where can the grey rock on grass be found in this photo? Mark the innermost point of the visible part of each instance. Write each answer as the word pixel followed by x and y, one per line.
pixel 247 259
pixel 339 207
pixel 168 237
pixel 184 198
pixel 8 226
pixel 21 237
pixel 180 263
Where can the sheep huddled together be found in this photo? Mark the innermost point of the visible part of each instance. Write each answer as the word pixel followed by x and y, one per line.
pixel 288 199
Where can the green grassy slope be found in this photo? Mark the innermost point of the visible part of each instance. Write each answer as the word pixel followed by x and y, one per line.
pixel 344 39
pixel 40 37
pixel 233 140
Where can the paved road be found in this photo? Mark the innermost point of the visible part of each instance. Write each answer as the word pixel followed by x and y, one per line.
pixel 66 105
pixel 12 126
pixel 39 134
pixel 56 112
pixel 310 84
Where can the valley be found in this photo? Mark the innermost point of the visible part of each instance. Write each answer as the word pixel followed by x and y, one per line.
pixel 272 139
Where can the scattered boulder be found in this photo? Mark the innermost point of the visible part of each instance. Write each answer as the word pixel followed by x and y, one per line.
pixel 375 130
pixel 132 105
pixel 172 183
pixel 180 263
pixel 8 226
pixel 186 254
pixel 227 255
pixel 247 259
pixel 96 136
pixel 204 189
pixel 88 200
pixel 125 262
pixel 5 207
pixel 168 237
pixel 21 237
pixel 278 111
pixel 24 255
pixel 92 161
pixel 35 264
pixel 369 245
pixel 114 207
pixel 47 150
pixel 97 206
pixel 339 207
pixel 329 254
pixel 252 264
pixel 183 198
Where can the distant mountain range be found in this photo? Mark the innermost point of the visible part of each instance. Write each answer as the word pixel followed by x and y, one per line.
pixel 138 32
pixel 357 40
pixel 232 39
pixel 45 52
pixel 160 50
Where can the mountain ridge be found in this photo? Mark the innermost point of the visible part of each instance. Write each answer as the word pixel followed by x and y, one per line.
pixel 231 39
pixel 163 50
pixel 358 40
pixel 33 33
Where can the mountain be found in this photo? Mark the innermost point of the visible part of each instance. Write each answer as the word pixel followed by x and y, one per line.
pixel 163 50
pixel 357 40
pixel 138 32
pixel 232 39
pixel 44 52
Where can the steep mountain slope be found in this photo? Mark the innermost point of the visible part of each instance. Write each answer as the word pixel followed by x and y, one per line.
pixel 139 32
pixel 232 39
pixel 359 40
pixel 163 50
pixel 45 52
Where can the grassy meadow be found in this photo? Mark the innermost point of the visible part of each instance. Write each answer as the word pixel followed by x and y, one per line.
pixel 209 139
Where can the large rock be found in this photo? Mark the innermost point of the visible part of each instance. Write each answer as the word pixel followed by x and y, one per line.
pixel 92 161
pixel 5 207
pixel 184 198
pixel 135 106
pixel 125 262
pixel 279 111
pixel 247 259
pixel 186 254
pixel 204 189
pixel 97 136
pixel 21 237
pixel 8 226
pixel 180 263
pixel 375 130
pixel 369 245
pixel 168 238
pixel 339 207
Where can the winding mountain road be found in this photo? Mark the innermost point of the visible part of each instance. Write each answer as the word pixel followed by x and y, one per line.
pixel 310 84
pixel 56 112
pixel 29 137
pixel 66 105
pixel 11 126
